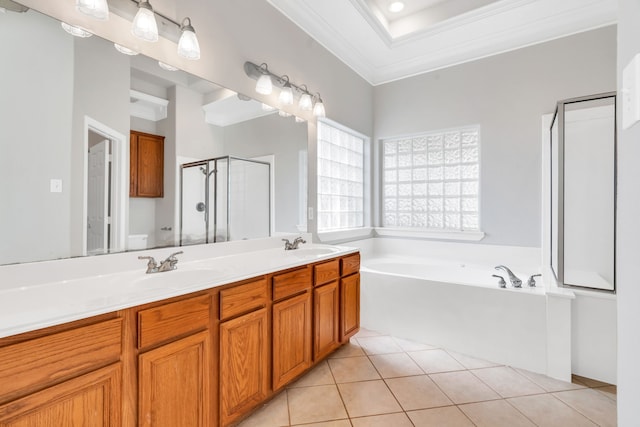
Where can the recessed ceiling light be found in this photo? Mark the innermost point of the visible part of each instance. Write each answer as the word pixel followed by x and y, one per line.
pixel 396 6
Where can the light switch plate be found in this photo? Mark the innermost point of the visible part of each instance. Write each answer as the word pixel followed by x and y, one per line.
pixel 631 93
pixel 55 185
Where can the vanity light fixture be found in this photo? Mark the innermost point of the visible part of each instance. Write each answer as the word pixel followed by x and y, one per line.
pixel 98 9
pixel 167 67
pixel 264 85
pixel 286 94
pixel 144 24
pixel 75 30
pixel 125 50
pixel 289 90
pixel 188 46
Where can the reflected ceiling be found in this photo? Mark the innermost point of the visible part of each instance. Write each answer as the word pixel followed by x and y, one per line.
pixel 432 34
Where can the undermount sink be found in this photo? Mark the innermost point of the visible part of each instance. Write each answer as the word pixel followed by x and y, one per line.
pixel 178 279
pixel 313 251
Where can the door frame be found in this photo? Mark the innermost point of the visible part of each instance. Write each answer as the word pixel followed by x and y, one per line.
pixel 119 182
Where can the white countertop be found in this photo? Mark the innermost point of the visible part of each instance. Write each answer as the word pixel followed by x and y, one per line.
pixel 45 296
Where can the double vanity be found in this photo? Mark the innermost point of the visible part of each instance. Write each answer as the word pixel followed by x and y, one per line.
pixel 202 345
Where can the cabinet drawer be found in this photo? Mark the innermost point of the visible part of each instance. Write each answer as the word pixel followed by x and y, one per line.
pixel 326 272
pixel 350 264
pixel 243 298
pixel 291 283
pixel 40 362
pixel 168 321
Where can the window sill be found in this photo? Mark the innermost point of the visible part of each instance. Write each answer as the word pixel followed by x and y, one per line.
pixel 470 236
pixel 346 234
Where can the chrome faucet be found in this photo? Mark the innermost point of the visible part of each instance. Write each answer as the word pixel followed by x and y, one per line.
pixel 532 280
pixel 290 246
pixel 167 265
pixel 515 282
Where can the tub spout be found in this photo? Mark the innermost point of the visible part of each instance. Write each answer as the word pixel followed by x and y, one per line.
pixel 515 282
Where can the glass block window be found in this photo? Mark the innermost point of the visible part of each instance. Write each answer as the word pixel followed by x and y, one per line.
pixel 340 178
pixel 431 181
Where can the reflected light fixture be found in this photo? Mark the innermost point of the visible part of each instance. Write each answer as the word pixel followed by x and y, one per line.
pixel 98 9
pixel 125 50
pixel 264 86
pixel 283 113
pixel 75 31
pixel 286 94
pixel 267 107
pixel 144 24
pixel 305 103
pixel 396 6
pixel 188 46
pixel 167 67
pixel 318 108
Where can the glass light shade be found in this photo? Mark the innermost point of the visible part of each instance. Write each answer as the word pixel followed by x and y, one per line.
pixel 167 67
pixel 144 24
pixel 98 9
pixel 188 46
pixel 125 50
pixel 264 85
pixel 75 31
pixel 305 103
pixel 286 95
pixel 318 109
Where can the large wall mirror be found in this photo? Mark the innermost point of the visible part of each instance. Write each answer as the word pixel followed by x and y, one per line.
pixel 583 192
pixel 69 106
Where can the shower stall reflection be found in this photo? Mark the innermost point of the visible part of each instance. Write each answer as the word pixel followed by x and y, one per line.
pixel 225 198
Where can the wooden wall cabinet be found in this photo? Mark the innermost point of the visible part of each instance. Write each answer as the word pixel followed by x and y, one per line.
pixel 146 165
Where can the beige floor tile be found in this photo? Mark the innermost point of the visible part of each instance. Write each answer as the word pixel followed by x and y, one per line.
pixel 593 405
pixel 274 414
pixel 433 361
pixel 350 369
pixel 449 416
pixel 379 345
pixel 363 332
pixel 496 413
pixel 547 383
pixel 337 423
pixel 389 420
pixel 463 387
pixel 610 391
pixel 319 375
pixel 507 382
pixel 417 392
pixel 351 349
pixel 471 362
pixel 368 398
pixel 588 381
pixel 315 404
pixel 395 365
pixel 408 345
pixel 545 410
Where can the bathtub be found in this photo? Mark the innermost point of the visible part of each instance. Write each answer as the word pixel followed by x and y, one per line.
pixel 449 299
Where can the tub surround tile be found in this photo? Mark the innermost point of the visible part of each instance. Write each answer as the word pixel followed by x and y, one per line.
pixel 448 416
pixel 315 404
pixel 417 392
pixel 463 387
pixel 368 398
pixel 274 414
pixel 507 382
pixel 433 361
pixel 495 413
pixel 379 345
pixel 395 365
pixel 351 369
pixel 471 362
pixel 319 375
pixel 594 405
pixel 546 410
pixel 395 420
pixel 547 383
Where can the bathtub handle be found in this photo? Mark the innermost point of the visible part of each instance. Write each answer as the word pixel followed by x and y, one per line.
pixel 501 282
pixel 532 281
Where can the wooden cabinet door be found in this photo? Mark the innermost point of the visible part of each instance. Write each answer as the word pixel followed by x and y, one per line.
pixel 147 167
pixel 244 364
pixel 291 338
pixel 175 383
pixel 349 306
pixel 90 400
pixel 326 316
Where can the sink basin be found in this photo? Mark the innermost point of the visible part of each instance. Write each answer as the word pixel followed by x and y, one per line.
pixel 178 279
pixel 313 251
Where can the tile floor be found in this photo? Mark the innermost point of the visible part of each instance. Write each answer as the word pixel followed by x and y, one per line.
pixel 382 381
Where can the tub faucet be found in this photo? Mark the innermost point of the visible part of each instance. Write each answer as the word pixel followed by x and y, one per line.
pixel 290 246
pixel 515 282
pixel 532 280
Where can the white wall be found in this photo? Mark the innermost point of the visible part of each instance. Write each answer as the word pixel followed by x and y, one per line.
pixel 628 232
pixel 506 95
